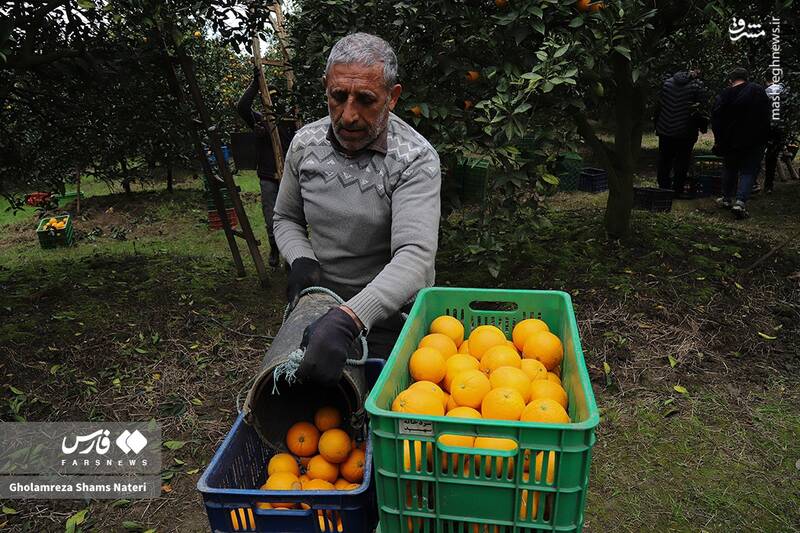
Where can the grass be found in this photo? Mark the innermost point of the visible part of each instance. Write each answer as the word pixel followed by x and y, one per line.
pixel 158 325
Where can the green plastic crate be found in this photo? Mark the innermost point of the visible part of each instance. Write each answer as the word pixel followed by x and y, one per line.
pixel 50 238
pixel 432 498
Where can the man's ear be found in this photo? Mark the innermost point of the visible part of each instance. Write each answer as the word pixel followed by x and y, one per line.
pixel 394 96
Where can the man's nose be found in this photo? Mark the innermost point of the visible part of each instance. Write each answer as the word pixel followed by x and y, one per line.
pixel 350 114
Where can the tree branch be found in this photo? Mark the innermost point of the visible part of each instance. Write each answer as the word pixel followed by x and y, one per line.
pixel 26 62
pixel 588 134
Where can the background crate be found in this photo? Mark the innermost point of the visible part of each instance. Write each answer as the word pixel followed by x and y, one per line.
pixel 215 222
pixel 653 199
pixel 50 238
pixel 707 172
pixel 593 180
pixel 471 176
pixel 230 489
pixel 416 489
pixel 569 171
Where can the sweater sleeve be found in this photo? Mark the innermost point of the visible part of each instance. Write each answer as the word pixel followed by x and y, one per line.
pixel 289 221
pixel 416 208
pixel 245 104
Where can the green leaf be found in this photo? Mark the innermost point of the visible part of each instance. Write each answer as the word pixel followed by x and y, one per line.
pixel 766 337
pixel 86 4
pixel 549 178
pixel 54 369
pixel 531 76
pixel 15 390
pixel 9 510
pixel 75 520
pixel 140 350
pixel 193 471
pixel 521 108
pixel 680 389
pixel 672 361
pixel 174 444
pixel 120 503
pixel 133 526
pixel 179 461
pixel 738 286
pixel 561 51
pixel 426 111
pixel 623 51
pixel 606 368
pixel 577 22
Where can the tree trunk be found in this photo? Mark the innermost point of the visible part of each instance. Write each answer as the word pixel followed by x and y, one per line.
pixel 620 180
pixel 169 178
pixel 126 184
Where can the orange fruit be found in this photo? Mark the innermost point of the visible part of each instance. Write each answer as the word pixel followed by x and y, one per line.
pixel 302 439
pixel 304 479
pixel 451 404
pixel 464 347
pixel 335 446
pixel 469 387
pixel 511 378
pixel 545 411
pixel 353 467
pixel 523 511
pixel 533 368
pixel 494 443
pixel 327 418
pixel 441 342
pixel 545 347
pixel 551 467
pixel 502 404
pixel 341 483
pixel 484 337
pixel 460 441
pixel 350 486
pixel 473 75
pixel 263 505
pixel 283 481
pixel 320 468
pixel 450 326
pixel 497 356
pixel 282 462
pixel 525 328
pixel 427 364
pixel 319 484
pixel 457 364
pixel 544 388
pixel 417 455
pixel 501 3
pixel 417 111
pixel 554 378
pixel 430 387
pixel 464 412
pixel 418 402
pixel 512 345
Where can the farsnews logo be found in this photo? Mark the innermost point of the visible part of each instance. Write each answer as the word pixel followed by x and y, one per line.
pixel 100 443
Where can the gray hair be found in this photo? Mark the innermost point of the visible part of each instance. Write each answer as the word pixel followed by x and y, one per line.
pixel 364 49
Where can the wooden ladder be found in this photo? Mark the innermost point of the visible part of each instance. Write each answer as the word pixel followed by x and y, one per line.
pixel 276 21
pixel 201 124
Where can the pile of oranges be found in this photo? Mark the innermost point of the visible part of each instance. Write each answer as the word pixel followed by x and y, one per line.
pixel 322 457
pixel 55 224
pixel 487 376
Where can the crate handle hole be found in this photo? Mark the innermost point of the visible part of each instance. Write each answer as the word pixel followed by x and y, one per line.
pixel 493 306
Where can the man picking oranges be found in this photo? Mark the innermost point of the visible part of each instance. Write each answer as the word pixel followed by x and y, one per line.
pixel 365 186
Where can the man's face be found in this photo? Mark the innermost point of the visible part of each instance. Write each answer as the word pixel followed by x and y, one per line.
pixel 359 103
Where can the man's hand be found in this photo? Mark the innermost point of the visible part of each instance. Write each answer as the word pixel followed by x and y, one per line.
pixel 305 272
pixel 327 342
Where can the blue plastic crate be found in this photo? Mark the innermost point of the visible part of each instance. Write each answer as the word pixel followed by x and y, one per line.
pixel 593 180
pixel 230 489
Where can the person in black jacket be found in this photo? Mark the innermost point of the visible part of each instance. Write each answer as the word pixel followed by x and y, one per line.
pixel 740 120
pixel 679 116
pixel 265 158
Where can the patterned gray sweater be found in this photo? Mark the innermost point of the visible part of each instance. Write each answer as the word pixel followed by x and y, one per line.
pixel 371 220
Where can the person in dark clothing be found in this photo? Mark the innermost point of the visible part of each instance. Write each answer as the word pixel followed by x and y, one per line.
pixel 679 116
pixel 265 158
pixel 740 120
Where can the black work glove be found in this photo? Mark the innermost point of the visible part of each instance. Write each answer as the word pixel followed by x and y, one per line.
pixel 327 341
pixel 255 76
pixel 305 272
